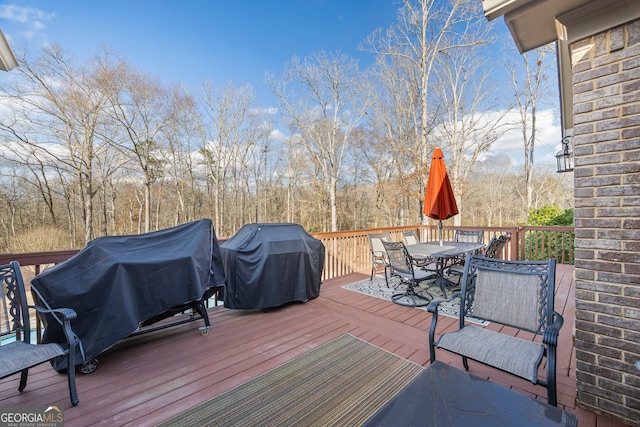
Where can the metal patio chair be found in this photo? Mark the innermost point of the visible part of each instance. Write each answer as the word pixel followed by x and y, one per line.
pixel 402 267
pixel 19 353
pixel 493 250
pixel 411 238
pixel 378 254
pixel 518 294
pixel 470 236
pixel 473 236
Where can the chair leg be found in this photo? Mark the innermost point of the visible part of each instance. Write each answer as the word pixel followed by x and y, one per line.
pixel 373 270
pixel 23 379
pixel 465 363
pixel 552 396
pixel 432 339
pixel 386 277
pixel 73 392
pixel 71 375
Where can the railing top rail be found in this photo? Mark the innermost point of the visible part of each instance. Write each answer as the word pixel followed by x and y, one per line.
pixel 54 257
pixel 37 258
pixel 561 228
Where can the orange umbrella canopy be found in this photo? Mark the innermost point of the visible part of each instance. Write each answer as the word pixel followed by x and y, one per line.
pixel 439 201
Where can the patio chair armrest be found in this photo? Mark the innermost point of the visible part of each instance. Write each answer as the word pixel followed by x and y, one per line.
pixel 433 305
pixel 550 334
pixel 67 313
pixel 433 308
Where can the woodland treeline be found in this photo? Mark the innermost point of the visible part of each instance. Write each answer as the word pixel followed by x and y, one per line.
pixel 97 147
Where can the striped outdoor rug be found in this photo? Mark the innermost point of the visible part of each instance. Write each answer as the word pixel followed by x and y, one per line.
pixel 340 383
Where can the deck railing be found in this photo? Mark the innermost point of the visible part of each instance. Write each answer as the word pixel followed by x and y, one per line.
pixel 348 251
pixel 539 243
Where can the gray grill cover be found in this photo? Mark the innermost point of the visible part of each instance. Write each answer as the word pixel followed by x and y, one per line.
pixel 117 282
pixel 268 265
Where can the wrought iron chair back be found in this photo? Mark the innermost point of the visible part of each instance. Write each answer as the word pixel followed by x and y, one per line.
pixel 518 294
pixel 410 237
pixel 495 246
pixel 399 258
pixel 19 350
pixel 456 266
pixel 472 236
pixel 512 293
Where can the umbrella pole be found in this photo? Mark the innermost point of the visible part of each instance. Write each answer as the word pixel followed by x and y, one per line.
pixel 440 229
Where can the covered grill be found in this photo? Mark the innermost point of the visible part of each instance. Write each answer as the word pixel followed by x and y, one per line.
pixel 269 265
pixel 117 284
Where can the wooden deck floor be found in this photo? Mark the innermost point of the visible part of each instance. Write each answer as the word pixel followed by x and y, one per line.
pixel 149 378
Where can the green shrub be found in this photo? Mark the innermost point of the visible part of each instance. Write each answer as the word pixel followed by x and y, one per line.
pixel 541 245
pixel 550 215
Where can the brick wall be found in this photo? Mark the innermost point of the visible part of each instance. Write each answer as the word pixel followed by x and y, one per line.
pixel 606 141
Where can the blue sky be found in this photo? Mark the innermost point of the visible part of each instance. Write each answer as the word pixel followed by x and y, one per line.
pixel 189 41
pixel 192 40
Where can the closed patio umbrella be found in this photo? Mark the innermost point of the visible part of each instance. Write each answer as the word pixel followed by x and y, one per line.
pixel 439 200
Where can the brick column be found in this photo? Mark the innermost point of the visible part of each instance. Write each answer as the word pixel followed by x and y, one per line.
pixel 606 83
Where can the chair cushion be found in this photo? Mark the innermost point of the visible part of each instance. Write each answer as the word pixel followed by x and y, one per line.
pixel 19 355
pixel 419 275
pixel 422 275
pixel 505 352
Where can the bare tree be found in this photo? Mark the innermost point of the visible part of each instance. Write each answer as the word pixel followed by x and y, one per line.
pixel 395 122
pixel 426 29
pixel 57 110
pixel 232 128
pixel 182 136
pixel 472 113
pixel 490 194
pixel 528 81
pixel 294 177
pixel 380 175
pixel 109 149
pixel 262 170
pixel 142 108
pixel 323 100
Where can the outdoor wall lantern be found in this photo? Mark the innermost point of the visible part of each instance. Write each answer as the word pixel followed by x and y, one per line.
pixel 565 156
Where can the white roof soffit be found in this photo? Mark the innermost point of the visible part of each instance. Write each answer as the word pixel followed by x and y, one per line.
pixel 533 24
pixel 595 18
pixel 7 60
pixel 496 8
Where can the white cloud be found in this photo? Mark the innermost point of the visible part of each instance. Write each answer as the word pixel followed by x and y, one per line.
pixel 277 135
pixel 25 15
pixel 34 19
pixel 269 111
pixel 547 143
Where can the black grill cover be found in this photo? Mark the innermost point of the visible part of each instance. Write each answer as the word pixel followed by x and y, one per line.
pixel 268 265
pixel 117 282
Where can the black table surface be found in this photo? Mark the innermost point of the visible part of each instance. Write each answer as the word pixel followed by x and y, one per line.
pixel 443 395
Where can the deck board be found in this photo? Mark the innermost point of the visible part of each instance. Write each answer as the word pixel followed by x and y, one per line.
pixel 149 378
